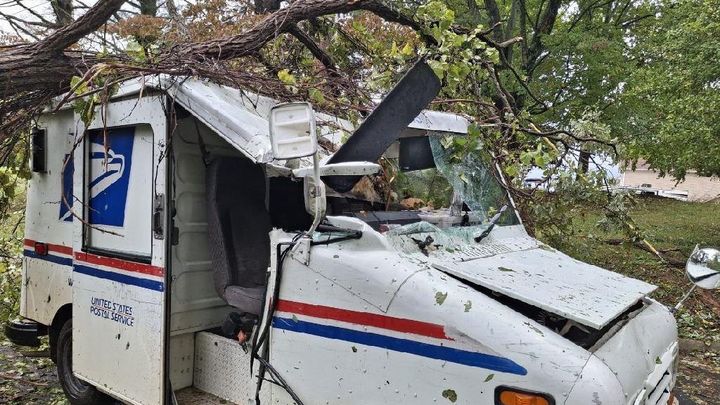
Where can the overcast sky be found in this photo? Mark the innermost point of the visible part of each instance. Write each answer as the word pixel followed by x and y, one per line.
pixel 10 7
pixel 42 7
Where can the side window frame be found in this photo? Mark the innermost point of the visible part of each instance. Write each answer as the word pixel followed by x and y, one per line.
pixel 87 241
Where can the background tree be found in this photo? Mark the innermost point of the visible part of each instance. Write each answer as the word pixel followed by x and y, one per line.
pixel 668 110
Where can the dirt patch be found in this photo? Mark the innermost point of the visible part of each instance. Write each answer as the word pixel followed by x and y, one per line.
pixel 699 377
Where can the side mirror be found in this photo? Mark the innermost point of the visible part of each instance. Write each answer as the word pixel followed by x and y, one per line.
pixel 292 131
pixel 703 268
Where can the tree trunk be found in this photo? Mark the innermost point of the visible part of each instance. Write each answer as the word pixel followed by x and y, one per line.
pixel 46 67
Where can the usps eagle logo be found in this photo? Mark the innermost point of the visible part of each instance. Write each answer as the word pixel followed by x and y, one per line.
pixel 109 177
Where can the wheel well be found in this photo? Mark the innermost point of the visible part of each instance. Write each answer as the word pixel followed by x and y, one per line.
pixel 61 316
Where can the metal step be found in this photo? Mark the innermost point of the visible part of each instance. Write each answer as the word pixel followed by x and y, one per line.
pixel 193 396
pixel 222 368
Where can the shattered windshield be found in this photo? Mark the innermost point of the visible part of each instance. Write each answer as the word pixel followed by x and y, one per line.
pixel 430 186
pixel 471 178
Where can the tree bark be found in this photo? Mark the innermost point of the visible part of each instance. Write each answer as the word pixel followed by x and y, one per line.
pixel 544 27
pixel 63 10
pixel 493 12
pixel 43 65
pixel 314 48
pixel 584 161
pixel 71 33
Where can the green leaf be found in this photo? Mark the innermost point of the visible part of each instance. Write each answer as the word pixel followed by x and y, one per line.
pixel 440 297
pixel 450 395
pixel 81 87
pixel 316 95
pixel 286 77
pixel 407 50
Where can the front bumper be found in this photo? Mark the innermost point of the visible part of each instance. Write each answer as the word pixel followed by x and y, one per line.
pixel 24 332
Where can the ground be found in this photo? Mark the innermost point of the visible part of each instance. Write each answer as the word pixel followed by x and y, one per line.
pixel 28 377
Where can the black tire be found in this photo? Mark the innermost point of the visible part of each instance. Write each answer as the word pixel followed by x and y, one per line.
pixel 77 391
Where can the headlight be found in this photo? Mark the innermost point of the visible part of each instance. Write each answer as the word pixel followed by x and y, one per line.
pixel 514 396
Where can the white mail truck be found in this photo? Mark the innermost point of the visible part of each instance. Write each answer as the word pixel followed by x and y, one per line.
pixel 196 243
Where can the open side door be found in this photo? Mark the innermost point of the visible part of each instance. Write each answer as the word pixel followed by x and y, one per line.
pixel 119 284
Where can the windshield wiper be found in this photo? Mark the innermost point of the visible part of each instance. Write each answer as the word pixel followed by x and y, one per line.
pixel 493 221
pixel 349 234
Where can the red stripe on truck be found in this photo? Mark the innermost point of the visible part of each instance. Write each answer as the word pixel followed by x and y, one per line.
pixel 120 264
pixel 65 250
pixel 365 319
pixel 89 258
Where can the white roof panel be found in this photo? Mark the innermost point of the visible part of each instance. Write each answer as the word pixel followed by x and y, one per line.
pixel 240 117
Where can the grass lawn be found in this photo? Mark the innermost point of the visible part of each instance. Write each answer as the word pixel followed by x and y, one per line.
pixel 674 228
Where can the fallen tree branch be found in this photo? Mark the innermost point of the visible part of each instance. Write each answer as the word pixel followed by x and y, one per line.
pixel 314 49
pixel 648 247
pixel 71 33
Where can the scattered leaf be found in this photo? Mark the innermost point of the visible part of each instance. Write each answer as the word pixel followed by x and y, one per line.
pixel 440 297
pixel 450 395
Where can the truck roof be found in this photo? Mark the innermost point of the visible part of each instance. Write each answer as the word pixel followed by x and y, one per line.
pixel 240 116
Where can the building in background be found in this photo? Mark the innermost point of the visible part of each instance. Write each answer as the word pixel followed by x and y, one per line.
pixel 693 188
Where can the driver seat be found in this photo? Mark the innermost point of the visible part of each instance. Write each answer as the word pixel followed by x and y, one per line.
pixel 238 230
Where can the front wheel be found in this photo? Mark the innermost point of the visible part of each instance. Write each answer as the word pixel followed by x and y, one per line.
pixel 78 392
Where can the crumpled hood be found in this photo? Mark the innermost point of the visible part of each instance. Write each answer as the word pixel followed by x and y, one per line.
pixel 548 279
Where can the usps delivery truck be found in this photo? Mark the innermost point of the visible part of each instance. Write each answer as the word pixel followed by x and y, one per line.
pixel 195 244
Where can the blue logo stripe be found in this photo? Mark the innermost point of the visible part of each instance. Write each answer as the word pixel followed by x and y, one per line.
pixel 449 354
pixel 65 261
pixel 120 278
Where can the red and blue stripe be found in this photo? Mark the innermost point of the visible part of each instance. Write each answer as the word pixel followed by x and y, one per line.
pixel 408 343
pixel 108 268
pixel 400 334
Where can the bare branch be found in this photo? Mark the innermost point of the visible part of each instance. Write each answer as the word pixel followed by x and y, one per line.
pixel 71 33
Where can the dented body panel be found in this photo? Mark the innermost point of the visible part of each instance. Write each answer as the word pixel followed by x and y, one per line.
pixel 428 333
pixel 437 335
pixel 551 280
